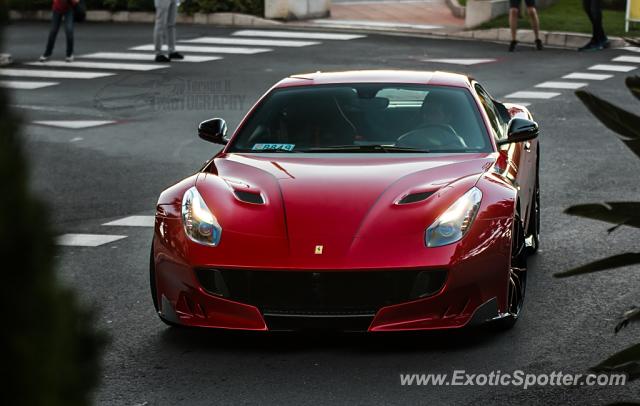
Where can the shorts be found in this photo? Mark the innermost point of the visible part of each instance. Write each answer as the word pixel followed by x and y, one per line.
pixel 516 3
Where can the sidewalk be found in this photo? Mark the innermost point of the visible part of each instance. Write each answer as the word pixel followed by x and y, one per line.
pixel 428 18
pixel 417 14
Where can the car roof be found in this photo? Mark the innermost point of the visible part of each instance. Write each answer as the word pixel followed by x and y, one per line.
pixel 378 76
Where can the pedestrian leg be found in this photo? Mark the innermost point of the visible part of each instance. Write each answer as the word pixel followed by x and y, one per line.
pixel 68 29
pixel 56 18
pixel 160 30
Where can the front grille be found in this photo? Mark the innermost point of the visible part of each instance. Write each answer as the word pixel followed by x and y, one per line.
pixel 322 293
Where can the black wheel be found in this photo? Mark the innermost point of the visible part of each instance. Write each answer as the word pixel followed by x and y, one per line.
pixel 154 291
pixel 517 279
pixel 533 228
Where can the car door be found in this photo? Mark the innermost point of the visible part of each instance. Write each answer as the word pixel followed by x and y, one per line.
pixel 518 166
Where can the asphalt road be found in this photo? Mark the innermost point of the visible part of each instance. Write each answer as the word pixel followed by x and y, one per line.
pixel 100 174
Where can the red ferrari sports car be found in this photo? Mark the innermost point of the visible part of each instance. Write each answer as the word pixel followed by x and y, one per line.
pixel 364 201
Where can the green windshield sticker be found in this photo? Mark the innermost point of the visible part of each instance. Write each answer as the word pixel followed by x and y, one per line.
pixel 273 147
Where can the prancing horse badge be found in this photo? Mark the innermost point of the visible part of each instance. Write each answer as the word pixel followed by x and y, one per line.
pixel 319 249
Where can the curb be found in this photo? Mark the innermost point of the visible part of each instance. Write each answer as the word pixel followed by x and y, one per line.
pixel 552 39
pixel 105 16
pixel 5 59
pixel 568 40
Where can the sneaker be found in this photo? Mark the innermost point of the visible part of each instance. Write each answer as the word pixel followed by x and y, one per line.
pixel 162 58
pixel 590 46
pixel 176 55
pixel 512 46
pixel 43 58
pixel 605 44
pixel 69 58
pixel 539 45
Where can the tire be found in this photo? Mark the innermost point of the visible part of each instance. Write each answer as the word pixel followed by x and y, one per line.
pixel 154 290
pixel 517 280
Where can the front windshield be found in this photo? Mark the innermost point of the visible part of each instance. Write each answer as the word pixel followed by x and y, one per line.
pixel 364 118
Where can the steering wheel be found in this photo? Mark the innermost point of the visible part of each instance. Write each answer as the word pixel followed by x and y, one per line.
pixel 432 137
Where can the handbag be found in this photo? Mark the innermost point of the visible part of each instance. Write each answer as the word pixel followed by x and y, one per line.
pixel 80 11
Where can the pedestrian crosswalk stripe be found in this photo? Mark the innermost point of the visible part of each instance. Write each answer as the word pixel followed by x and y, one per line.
pixel 297 34
pixel 613 68
pixel 53 74
pixel 376 24
pixel 523 104
pixel 102 65
pixel 139 56
pixel 17 84
pixel 250 41
pixel 208 50
pixel 587 76
pixel 532 95
pixel 462 61
pixel 627 58
pixel 632 49
pixel 73 124
pixel 133 221
pixel 561 85
pixel 87 240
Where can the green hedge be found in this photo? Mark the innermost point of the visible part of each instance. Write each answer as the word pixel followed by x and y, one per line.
pixel 255 7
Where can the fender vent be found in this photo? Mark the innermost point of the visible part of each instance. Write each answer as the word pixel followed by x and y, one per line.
pixel 415 197
pixel 249 197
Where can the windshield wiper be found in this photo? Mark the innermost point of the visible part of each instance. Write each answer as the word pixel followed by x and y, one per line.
pixel 365 148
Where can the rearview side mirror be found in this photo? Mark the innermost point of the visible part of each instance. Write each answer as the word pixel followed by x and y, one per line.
pixel 520 130
pixel 213 130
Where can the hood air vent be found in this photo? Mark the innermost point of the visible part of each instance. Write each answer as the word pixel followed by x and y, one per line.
pixel 415 197
pixel 249 197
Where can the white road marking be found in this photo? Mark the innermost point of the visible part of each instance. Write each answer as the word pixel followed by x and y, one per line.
pixel 627 58
pixel 74 124
pixel 587 76
pixel 53 74
pixel 139 56
pixel 462 61
pixel 208 50
pixel 17 84
pixel 532 95
pixel 102 65
pixel 613 68
pixel 561 85
pixel 297 34
pixel 251 42
pixel 133 221
pixel 87 240
pixel 632 49
pixel 379 24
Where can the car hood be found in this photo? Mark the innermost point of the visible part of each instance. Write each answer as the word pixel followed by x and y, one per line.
pixel 337 196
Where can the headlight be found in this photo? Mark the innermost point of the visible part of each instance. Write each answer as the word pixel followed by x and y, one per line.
pixel 454 223
pixel 199 223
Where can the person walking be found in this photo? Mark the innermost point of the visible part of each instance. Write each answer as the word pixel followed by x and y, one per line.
pixel 599 39
pixel 514 8
pixel 61 9
pixel 165 29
